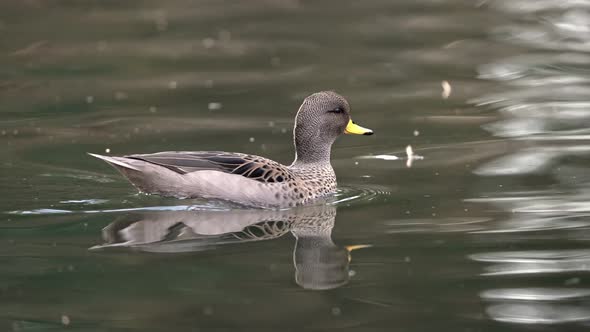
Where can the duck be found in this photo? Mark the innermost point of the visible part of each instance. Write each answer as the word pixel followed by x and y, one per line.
pixel 246 179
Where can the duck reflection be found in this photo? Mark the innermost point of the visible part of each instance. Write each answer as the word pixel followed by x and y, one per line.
pixel 319 262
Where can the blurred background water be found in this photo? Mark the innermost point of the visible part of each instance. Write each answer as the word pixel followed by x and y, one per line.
pixel 489 232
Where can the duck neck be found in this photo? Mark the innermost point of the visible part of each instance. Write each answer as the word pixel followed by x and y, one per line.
pixel 308 151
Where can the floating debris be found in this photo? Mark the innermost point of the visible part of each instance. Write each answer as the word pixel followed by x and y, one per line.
pixel 446 86
pixel 416 133
pixel 92 201
pixel 410 154
pixel 89 99
pixel 382 157
pixel 107 150
pixel 252 139
pixel 172 85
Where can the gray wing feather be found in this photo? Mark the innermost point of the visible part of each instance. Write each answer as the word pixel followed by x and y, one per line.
pixel 250 166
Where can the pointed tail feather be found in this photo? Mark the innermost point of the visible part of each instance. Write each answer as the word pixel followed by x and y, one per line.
pixel 115 161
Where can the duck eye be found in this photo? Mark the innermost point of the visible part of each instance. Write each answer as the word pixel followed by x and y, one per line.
pixel 337 110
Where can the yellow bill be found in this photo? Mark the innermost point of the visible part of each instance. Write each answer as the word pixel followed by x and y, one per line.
pixel 353 128
pixel 355 247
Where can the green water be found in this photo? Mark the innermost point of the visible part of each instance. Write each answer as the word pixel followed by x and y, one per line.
pixel 488 232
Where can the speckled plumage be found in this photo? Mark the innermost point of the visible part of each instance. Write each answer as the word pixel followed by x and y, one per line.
pixel 249 179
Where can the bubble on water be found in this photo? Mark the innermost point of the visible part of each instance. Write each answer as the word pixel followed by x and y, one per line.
pixel 172 85
pixel 224 36
pixel 161 20
pixel 213 106
pixel 65 320
pixel 208 311
pixel 102 46
pixel 107 150
pixel 208 42
pixel 89 99
pixel 416 133
pixel 252 139
pixel 336 311
pixel 153 109
pixel 120 95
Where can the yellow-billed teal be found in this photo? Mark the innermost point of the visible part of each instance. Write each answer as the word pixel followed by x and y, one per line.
pixel 248 179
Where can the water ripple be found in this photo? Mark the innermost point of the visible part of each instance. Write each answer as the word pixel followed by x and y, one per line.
pixel 534 261
pixel 538 313
pixel 535 294
pixel 358 194
pixel 346 195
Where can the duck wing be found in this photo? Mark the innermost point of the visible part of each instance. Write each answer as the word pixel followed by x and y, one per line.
pixel 253 167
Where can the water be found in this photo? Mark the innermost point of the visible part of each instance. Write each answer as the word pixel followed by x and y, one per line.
pixel 488 232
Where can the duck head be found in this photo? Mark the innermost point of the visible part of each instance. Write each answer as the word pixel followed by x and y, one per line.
pixel 322 117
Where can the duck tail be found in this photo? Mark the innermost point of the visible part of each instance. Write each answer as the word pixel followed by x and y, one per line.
pixel 115 161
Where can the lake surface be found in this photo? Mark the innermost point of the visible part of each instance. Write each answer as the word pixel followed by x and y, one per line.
pixel 489 231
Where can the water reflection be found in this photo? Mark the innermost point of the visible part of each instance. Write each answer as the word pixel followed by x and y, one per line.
pixel 544 113
pixel 319 262
pixel 538 305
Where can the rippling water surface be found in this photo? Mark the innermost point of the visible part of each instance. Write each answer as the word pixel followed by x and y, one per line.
pixel 486 228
